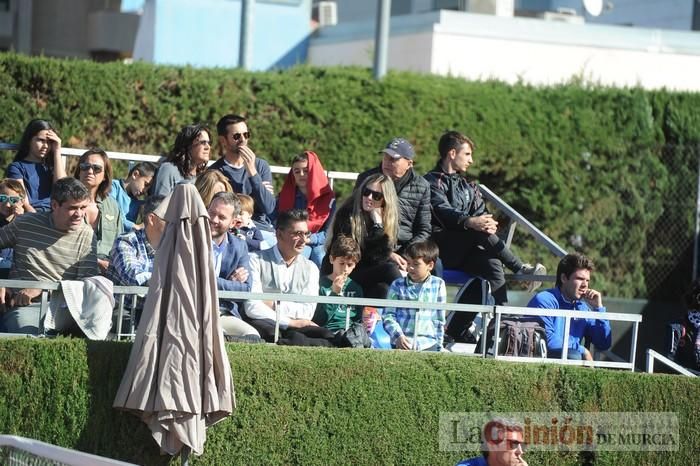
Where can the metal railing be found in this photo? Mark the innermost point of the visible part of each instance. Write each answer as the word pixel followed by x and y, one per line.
pixel 515 217
pixel 484 310
pixel 655 356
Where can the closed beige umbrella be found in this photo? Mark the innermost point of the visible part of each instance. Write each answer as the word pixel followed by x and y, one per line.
pixel 178 379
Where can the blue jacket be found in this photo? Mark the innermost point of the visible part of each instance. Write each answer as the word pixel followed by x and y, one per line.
pixel 235 255
pixel 597 330
pixel 127 204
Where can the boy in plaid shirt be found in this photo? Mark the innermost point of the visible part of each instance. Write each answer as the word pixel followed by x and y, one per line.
pixel 410 328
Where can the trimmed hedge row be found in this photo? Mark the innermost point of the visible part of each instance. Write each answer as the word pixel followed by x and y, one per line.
pixel 313 406
pixel 597 168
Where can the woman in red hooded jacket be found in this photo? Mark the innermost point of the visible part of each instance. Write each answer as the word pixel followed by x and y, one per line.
pixel 307 187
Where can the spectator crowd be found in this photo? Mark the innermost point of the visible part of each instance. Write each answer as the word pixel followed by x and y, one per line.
pixel 390 238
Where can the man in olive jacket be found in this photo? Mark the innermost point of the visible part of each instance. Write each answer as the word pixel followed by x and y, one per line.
pixel 413 193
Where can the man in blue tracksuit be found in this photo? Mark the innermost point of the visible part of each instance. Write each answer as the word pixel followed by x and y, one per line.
pixel 572 293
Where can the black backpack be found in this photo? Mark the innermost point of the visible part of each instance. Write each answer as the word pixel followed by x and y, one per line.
pixel 518 338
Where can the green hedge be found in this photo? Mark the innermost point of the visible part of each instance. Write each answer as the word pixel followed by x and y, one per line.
pixel 311 406
pixel 611 172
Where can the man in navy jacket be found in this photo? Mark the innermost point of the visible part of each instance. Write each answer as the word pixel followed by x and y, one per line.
pixel 231 261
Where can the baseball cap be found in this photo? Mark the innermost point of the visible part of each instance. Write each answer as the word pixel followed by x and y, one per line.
pixel 399 147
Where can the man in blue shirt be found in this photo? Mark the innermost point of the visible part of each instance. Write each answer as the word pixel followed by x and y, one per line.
pixel 502 445
pixel 572 293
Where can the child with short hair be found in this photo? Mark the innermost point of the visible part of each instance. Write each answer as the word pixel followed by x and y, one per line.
pixel 130 191
pixel 344 255
pixel 410 328
pixel 247 230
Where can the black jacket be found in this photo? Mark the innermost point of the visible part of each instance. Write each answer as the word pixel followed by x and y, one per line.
pixel 376 245
pixel 453 199
pixel 414 206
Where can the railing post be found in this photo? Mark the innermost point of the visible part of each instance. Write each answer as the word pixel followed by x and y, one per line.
pixel 277 321
pixel 120 316
pixel 43 309
pixel 496 331
pixel 650 362
pixel 565 344
pixel 633 349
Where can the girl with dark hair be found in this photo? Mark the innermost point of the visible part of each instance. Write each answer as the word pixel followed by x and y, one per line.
pixel 94 170
pixel 186 160
pixel 306 187
pixel 38 164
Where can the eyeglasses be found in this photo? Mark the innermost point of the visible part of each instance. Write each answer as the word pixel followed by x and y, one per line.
pixel 300 234
pixel 237 136
pixel 514 444
pixel 204 142
pixel 96 168
pixel 374 195
pixel 4 199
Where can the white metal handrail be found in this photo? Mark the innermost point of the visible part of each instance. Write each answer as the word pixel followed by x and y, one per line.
pixel 653 355
pixel 383 303
pixel 57 455
pixel 568 315
pixel 513 214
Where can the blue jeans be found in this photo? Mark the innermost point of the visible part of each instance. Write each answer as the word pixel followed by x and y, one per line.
pixel 22 320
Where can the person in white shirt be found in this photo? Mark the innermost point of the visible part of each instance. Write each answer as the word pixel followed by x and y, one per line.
pixel 283 269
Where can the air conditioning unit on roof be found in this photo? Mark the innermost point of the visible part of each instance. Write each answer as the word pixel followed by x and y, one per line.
pixel 326 13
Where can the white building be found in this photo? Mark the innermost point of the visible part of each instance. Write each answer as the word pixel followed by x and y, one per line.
pixel 517 49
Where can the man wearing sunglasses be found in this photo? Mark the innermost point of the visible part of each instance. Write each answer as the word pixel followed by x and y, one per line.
pixel 48 247
pixel 502 445
pixel 413 193
pixel 247 173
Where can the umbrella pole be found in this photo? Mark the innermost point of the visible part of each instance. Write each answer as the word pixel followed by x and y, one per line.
pixel 185 455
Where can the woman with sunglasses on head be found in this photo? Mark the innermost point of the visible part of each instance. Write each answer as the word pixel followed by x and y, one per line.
pixel 370 217
pixel 187 159
pixel 306 187
pixel 94 170
pixel 37 164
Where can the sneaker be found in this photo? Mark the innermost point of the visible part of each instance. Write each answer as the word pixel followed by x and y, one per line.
pixel 537 269
pixel 254 339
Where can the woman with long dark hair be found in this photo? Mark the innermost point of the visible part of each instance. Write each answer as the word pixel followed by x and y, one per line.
pixel 187 159
pixel 38 164
pixel 94 170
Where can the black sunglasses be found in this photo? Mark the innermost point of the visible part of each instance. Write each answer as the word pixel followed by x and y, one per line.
pixel 96 168
pixel 374 195
pixel 237 136
pixel 4 198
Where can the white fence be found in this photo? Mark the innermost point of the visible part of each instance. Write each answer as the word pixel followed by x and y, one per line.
pixel 484 310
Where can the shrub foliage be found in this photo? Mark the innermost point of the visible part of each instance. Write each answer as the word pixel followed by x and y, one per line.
pixel 596 168
pixel 312 406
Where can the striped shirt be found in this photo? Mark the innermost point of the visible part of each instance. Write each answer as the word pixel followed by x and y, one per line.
pixel 43 253
pixel 427 324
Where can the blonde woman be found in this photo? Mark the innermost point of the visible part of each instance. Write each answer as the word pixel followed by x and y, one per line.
pixel 209 183
pixel 370 217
